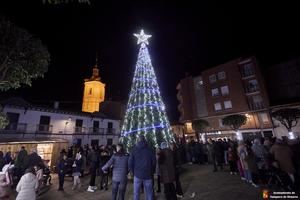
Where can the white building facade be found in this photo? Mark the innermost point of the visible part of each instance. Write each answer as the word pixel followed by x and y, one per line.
pixel 49 123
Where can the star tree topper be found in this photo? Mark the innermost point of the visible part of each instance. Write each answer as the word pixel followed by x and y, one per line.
pixel 142 37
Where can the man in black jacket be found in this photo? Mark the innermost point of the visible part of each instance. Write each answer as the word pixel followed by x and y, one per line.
pixel 142 162
pixel 94 164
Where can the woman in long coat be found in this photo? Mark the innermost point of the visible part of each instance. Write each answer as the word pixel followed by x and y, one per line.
pixel 27 186
pixel 167 171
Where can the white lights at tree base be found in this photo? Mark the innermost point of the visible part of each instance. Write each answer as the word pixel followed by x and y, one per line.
pixel 292 135
pixel 239 136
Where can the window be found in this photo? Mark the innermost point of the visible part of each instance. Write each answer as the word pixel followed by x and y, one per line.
pixel 78 125
pixel 215 92
pixel 252 86
pixel 90 91
pixel 109 127
pixel 13 119
pixel 44 125
pixel 227 104
pixel 221 75
pixel 224 90
pixel 212 78
pixel 248 69
pixel 264 118
pixel 218 106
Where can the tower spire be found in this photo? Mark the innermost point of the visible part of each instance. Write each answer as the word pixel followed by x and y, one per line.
pixel 96 63
pixel 96 69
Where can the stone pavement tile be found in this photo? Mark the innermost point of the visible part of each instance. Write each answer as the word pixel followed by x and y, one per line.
pixel 199 179
pixel 208 185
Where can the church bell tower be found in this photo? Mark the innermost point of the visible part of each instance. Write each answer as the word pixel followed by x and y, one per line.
pixel 94 92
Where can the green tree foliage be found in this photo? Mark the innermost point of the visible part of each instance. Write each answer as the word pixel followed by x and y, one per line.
pixel 234 121
pixel 3 120
pixel 22 56
pixel 288 117
pixel 200 125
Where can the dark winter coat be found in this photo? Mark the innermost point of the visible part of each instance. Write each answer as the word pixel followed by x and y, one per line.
pixel 218 152
pixel 166 166
pixel 8 157
pixel 232 156
pixel 142 161
pixel 34 160
pixel 61 166
pixel 2 163
pixel 22 160
pixel 104 158
pixel 119 161
pixel 78 167
pixel 94 159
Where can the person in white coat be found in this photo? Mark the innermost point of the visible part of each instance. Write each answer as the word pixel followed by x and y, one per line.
pixel 27 186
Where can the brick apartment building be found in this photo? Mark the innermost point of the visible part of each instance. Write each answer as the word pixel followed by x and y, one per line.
pixel 236 87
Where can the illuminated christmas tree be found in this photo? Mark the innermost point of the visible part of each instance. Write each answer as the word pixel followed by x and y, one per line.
pixel 146 112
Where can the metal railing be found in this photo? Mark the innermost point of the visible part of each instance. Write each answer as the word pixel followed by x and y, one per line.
pixel 256 105
pixel 252 88
pixel 110 131
pixel 16 127
pixel 44 128
pixel 79 129
pixel 96 130
pixel 248 72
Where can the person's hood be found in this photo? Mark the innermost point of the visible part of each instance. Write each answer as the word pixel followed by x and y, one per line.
pixel 29 177
pixel 141 145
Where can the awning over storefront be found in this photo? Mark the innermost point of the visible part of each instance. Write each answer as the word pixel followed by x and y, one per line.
pixel 48 149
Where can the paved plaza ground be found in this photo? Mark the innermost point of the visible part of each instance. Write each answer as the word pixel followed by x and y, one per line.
pixel 195 179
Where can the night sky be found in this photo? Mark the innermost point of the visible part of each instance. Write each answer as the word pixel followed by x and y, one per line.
pixel 186 38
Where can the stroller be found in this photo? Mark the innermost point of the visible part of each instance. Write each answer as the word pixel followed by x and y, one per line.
pixel 278 179
pixel 46 173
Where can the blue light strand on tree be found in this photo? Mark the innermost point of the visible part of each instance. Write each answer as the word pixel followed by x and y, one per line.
pixel 145 113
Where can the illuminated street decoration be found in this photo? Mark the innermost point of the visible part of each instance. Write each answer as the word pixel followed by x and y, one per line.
pixel 145 113
pixel 142 37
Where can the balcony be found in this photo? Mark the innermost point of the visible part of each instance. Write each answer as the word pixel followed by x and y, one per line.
pixel 247 73
pixel 79 129
pixel 95 130
pixel 256 105
pixel 16 127
pixel 251 89
pixel 110 131
pixel 44 128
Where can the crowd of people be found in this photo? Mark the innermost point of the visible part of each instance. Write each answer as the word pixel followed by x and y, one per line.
pixel 27 173
pixel 255 161
pixel 262 161
pixel 144 165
